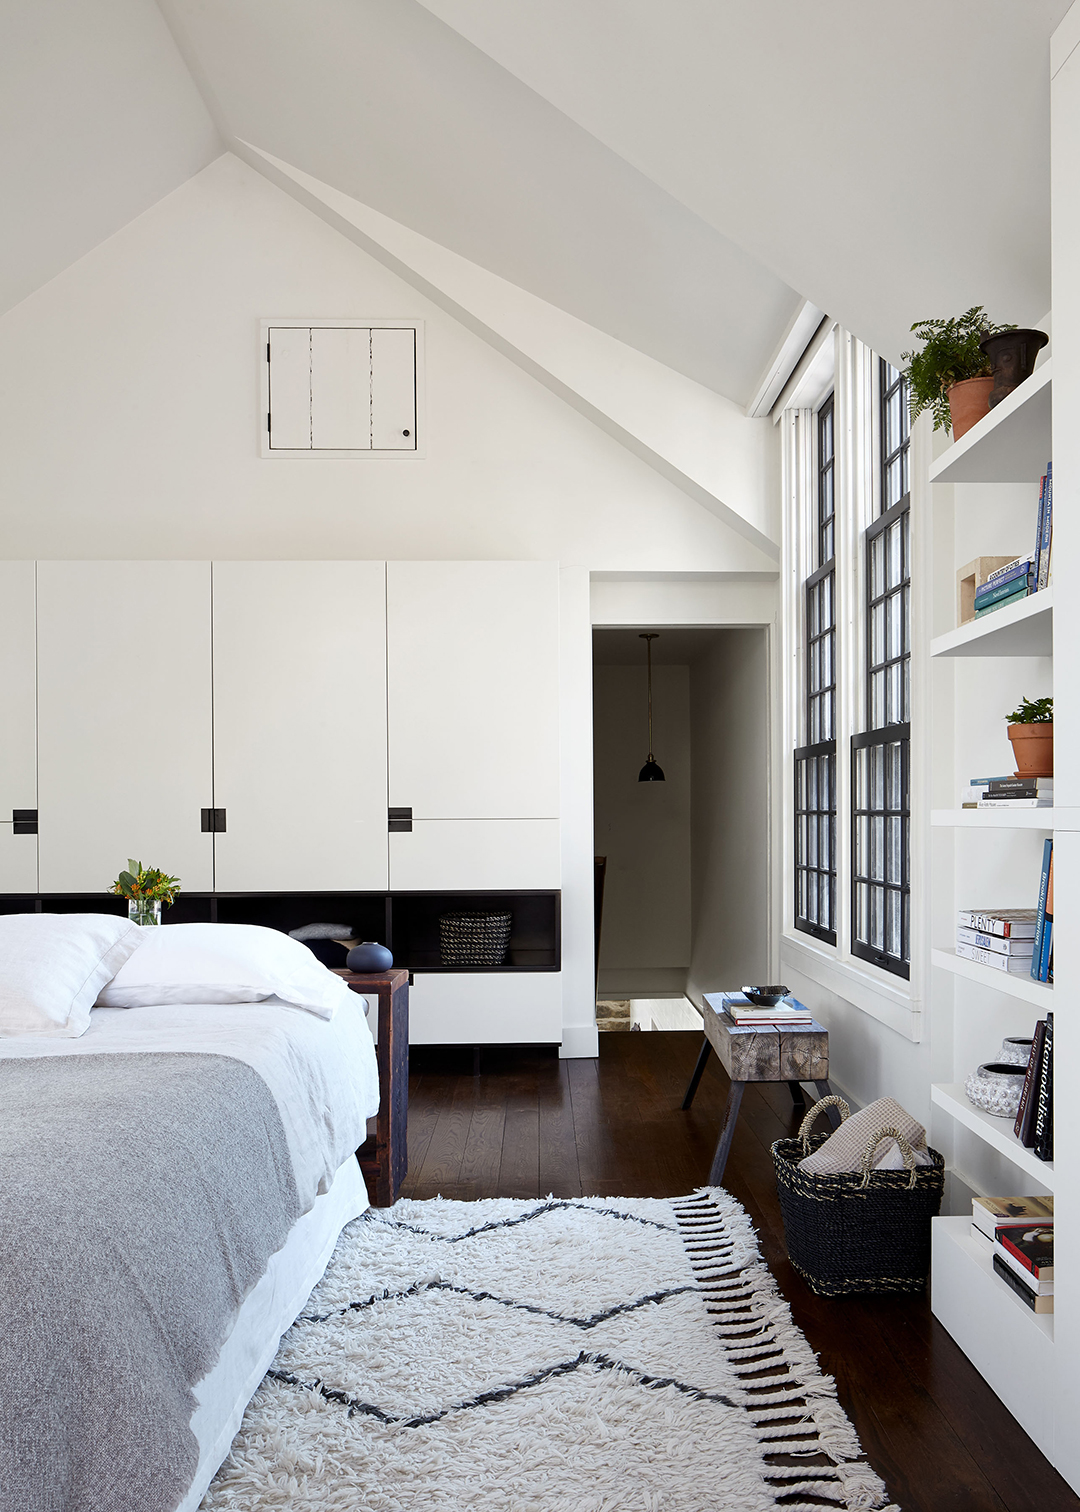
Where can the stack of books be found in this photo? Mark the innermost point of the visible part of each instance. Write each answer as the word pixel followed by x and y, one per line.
pixel 1034 1126
pixel 1019 1233
pixel 1001 938
pixel 1009 792
pixel 786 1014
pixel 1009 583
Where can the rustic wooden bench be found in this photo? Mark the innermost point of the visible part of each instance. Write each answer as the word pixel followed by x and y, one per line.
pixel 758 1053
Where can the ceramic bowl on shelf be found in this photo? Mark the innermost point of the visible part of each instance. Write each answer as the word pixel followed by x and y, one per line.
pixel 1015 1051
pixel 996 1088
pixel 766 997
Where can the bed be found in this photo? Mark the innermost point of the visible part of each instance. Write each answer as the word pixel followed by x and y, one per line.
pixel 172 1183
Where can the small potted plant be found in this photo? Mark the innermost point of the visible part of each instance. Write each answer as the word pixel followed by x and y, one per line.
pixel 952 376
pixel 1031 730
pixel 146 889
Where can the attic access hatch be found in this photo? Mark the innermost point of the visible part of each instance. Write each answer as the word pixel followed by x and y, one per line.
pixel 340 388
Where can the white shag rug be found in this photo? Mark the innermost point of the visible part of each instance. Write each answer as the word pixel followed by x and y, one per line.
pixel 593 1355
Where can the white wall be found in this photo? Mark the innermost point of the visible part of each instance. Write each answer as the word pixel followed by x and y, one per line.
pixel 129 403
pixel 643 828
pixel 730 729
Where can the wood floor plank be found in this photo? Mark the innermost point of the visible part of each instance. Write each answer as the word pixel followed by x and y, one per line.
pixel 560 1173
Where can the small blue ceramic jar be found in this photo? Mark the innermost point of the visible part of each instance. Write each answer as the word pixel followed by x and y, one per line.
pixel 369 956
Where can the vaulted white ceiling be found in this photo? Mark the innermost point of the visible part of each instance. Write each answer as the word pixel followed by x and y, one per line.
pixel 680 176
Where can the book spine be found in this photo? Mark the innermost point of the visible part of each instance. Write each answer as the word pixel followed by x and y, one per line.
pixel 1040 911
pixel 992 958
pixel 1022 564
pixel 1017 802
pixel 991 594
pixel 1012 1279
pixel 1043 575
pixel 1022 787
pixel 1044 1110
pixel 992 942
pixel 1025 1112
pixel 1047 950
pixel 1037 553
pixel 987 923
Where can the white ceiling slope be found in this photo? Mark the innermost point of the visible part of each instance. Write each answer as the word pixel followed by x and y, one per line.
pixel 99 119
pixel 387 104
pixel 889 161
pixel 695 438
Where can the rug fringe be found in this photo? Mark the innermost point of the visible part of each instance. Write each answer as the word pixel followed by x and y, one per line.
pixel 754 1327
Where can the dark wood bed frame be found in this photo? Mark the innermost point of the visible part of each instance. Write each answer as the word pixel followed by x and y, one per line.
pixel 384 1157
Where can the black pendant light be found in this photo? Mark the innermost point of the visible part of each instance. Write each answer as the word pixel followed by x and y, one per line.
pixel 650 772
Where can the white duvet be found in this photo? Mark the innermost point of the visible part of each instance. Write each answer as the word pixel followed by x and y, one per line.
pixel 322 1073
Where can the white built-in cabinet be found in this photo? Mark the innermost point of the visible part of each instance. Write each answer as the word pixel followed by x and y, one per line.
pixel 298 701
pixel 473 723
pixel 300 726
pixel 124 721
pixel 18 726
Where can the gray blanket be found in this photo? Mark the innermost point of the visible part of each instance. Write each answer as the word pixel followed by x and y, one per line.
pixel 141 1197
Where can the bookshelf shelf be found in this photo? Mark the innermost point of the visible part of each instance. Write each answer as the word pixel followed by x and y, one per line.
pixel 996 1132
pixel 1023 629
pixel 1009 445
pixel 995 818
pixel 1018 985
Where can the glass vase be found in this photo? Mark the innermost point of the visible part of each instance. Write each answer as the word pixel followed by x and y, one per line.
pixel 144 910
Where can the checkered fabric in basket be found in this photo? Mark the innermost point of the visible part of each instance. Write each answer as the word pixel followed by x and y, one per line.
pixel 861 1231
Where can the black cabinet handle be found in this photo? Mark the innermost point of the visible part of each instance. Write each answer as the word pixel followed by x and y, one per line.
pixel 24 822
pixel 400 821
pixel 213 821
pixel 405 433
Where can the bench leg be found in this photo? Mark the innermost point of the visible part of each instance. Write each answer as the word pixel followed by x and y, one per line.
pixel 727 1133
pixel 832 1114
pixel 703 1056
pixel 798 1097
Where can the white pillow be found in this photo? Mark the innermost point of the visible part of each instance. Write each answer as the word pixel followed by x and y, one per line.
pixel 223 963
pixel 52 967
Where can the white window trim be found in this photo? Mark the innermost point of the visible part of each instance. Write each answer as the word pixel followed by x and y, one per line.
pixel 852 377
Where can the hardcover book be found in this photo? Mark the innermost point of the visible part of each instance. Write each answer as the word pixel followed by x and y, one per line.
pixel 1040 911
pixel 1031 1248
pixel 1025 1113
pixel 1043 1146
pixel 1008 923
pixel 1043 574
pixel 994 942
pixel 1007 588
pixel 1031 1299
pixel 994 959
pixel 1004 602
pixel 1012 568
pixel 988 1212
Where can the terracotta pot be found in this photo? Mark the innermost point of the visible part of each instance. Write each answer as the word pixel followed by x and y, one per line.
pixel 1013 355
pixel 969 401
pixel 1033 749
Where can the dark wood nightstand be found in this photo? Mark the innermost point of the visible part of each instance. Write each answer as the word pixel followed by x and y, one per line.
pixel 384 1159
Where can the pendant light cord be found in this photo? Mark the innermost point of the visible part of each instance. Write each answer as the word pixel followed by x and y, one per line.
pixel 648 639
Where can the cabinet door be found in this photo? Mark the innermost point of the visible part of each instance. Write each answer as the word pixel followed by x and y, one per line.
pixel 300 725
pixel 473 695
pixel 18 726
pixel 124 721
pixel 393 389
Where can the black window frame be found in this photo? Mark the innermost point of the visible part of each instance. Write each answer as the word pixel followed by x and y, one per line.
pixel 889 820
pixel 892 385
pixel 815 771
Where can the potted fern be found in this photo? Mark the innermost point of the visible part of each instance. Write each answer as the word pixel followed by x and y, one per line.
pixel 1031 730
pixel 951 375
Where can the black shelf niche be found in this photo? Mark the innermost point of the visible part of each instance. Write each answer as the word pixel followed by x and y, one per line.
pixel 407 922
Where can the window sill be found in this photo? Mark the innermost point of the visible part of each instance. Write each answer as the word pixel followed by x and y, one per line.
pixel 890 1004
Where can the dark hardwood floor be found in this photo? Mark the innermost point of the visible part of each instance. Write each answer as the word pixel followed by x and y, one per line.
pixel 531 1124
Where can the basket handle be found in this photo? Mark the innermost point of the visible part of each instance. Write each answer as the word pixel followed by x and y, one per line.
pixel 825 1102
pixel 905 1151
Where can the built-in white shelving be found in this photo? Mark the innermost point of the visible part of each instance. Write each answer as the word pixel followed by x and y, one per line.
pixel 1009 445
pixel 997 1132
pixel 1014 984
pixel 993 818
pixel 1023 629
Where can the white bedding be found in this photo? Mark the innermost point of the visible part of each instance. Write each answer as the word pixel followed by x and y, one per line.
pixel 322 1074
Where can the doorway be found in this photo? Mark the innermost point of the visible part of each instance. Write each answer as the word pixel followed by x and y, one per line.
pixel 686 868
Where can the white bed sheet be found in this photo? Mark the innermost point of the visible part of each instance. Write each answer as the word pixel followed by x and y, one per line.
pixel 322 1073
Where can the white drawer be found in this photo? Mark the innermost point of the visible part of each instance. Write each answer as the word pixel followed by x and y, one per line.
pixel 476 855
pixel 486 1008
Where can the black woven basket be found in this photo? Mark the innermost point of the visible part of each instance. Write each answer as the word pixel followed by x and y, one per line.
pixel 863 1231
pixel 474 939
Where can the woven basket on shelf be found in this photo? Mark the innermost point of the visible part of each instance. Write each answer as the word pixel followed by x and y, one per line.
pixel 863 1231
pixel 474 939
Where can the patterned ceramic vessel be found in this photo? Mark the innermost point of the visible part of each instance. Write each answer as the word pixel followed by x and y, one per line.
pixel 996 1088
pixel 1015 1051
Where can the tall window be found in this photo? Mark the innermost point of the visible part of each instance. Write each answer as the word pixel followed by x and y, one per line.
pixel 815 762
pixel 880 787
